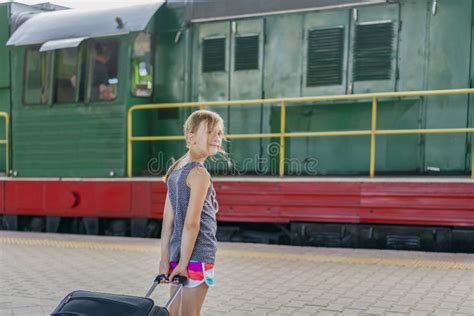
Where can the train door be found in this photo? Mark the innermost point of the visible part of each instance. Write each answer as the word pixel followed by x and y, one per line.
pixel 246 63
pixel 229 66
pixel 211 71
pixel 325 50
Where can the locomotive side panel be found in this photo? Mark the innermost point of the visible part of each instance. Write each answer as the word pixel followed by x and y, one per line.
pixel 282 74
pixel 377 52
pixel 5 84
pixel 448 66
pixel 171 80
pixel 73 139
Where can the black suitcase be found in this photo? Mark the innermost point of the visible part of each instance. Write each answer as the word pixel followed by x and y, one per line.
pixel 85 303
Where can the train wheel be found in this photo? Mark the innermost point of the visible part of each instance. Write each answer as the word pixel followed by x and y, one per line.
pixel 137 227
pixel 89 226
pixel 52 224
pixel 9 222
pixel 153 229
pixel 35 224
pixel 117 227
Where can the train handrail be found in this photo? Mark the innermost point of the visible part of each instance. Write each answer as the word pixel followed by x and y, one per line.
pixel 5 142
pixel 282 134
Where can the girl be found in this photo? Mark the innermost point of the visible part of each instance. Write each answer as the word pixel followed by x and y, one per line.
pixel 188 237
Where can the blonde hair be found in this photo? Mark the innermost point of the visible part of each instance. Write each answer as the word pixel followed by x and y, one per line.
pixel 213 121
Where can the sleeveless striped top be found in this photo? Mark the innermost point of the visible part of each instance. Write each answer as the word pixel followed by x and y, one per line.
pixel 178 191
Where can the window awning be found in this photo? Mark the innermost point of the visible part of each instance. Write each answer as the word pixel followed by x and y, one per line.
pixel 68 28
pixel 58 44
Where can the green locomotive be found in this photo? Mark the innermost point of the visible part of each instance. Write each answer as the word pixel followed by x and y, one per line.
pixel 326 80
pixel 173 52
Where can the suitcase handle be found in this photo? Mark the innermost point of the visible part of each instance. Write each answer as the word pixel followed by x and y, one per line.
pixel 181 281
pixel 161 277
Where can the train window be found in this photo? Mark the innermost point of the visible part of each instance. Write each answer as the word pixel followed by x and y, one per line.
pixel 37 74
pixel 213 54
pixel 325 57
pixel 142 68
pixel 104 80
pixel 65 75
pixel 246 52
pixel 373 51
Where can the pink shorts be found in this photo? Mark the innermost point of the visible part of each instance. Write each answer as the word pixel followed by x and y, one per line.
pixel 198 273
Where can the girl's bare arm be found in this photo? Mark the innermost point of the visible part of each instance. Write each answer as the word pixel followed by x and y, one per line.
pixel 166 230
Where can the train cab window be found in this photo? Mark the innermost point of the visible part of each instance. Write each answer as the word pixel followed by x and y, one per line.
pixel 65 75
pixel 104 80
pixel 142 68
pixel 37 74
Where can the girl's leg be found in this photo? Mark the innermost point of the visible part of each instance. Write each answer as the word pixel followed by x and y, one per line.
pixel 192 300
pixel 175 308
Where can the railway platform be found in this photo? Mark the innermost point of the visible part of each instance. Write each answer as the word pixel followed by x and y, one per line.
pixel 37 270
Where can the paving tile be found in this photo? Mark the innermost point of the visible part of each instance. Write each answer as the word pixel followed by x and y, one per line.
pixel 382 304
pixel 351 312
pixel 6 312
pixel 443 312
pixel 419 313
pixel 327 313
pixel 30 310
pixel 400 309
pixel 376 311
pixel 466 310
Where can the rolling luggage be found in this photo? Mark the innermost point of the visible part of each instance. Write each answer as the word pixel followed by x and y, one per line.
pixel 85 303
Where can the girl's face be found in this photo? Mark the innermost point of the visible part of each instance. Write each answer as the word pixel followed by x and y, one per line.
pixel 204 142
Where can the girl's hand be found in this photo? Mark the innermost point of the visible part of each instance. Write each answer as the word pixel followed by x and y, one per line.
pixel 164 269
pixel 179 270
